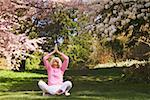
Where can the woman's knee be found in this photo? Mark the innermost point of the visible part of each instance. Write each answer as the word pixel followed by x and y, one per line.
pixel 42 84
pixel 68 83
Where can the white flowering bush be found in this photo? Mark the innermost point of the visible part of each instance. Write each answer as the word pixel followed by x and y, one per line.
pixel 18 16
pixel 121 14
pixel 15 48
pixel 127 22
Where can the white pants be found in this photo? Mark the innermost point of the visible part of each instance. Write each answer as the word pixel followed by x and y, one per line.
pixel 65 87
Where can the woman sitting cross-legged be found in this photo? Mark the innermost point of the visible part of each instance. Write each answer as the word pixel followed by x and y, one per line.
pixel 55 69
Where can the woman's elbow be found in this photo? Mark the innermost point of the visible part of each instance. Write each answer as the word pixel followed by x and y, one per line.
pixel 67 58
pixel 44 58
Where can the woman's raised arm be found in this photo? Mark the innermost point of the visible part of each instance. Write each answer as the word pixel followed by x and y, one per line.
pixel 45 59
pixel 65 62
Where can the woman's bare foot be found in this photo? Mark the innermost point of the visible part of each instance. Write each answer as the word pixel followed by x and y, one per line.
pixel 46 94
pixel 67 94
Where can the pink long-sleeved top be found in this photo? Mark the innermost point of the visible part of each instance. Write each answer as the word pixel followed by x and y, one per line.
pixel 55 75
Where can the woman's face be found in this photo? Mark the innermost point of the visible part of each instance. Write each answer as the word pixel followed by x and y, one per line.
pixel 55 64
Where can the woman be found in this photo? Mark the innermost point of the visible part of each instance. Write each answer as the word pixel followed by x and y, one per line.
pixel 55 69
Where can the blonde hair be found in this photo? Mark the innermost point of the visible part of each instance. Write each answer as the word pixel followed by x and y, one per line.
pixel 58 60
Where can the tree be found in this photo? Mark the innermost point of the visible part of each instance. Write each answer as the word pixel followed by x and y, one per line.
pixel 78 50
pixel 124 24
pixel 23 17
pixel 13 47
pixel 118 23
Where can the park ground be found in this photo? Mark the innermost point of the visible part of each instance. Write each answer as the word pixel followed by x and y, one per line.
pixel 99 84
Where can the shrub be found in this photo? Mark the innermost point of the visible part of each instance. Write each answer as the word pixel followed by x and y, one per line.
pixel 138 73
pixel 34 61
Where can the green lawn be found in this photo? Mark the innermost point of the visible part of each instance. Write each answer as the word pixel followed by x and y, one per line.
pixel 102 84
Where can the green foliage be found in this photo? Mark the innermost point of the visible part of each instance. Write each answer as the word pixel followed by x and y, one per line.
pixel 33 62
pixel 61 25
pixel 76 54
pixel 20 12
pixel 78 49
pixel 26 26
pixel 33 35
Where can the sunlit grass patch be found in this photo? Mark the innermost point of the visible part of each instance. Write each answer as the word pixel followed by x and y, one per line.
pixel 20 75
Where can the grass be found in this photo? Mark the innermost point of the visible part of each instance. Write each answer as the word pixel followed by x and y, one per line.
pixel 102 84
